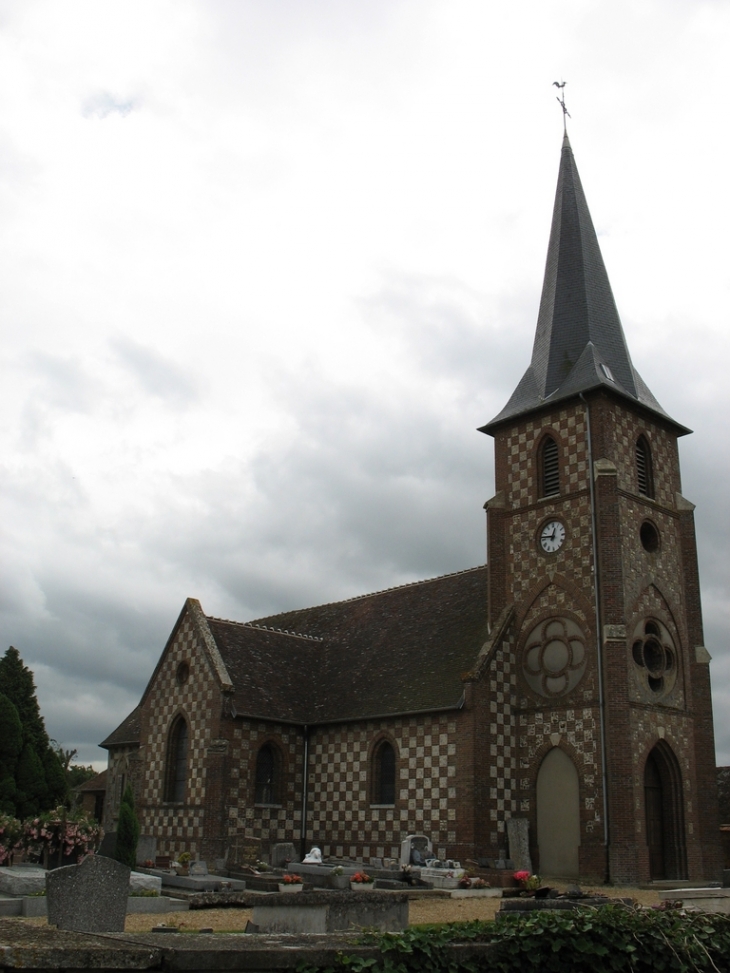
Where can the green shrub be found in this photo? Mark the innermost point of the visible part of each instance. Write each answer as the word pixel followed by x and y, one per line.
pixel 601 940
pixel 125 850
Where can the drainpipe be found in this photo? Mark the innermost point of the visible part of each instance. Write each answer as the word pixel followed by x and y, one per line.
pixel 305 789
pixel 599 641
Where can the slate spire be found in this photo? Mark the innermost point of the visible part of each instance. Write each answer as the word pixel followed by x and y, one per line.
pixel 579 342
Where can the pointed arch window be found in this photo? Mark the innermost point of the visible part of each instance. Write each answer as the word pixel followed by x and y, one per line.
pixel 268 774
pixel 549 468
pixel 644 473
pixel 383 773
pixel 176 773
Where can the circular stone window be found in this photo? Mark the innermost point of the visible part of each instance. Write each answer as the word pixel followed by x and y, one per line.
pixel 649 537
pixel 183 673
pixel 654 655
pixel 554 657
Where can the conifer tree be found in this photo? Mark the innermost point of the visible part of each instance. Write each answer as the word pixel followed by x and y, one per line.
pixel 127 830
pixel 39 784
pixel 11 743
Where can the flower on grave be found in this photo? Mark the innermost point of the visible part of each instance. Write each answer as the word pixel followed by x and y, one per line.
pixel 10 831
pixel 528 881
pixel 338 870
pixel 465 882
pixel 184 857
pixel 479 883
pixel 60 829
pixel 361 878
pixel 292 879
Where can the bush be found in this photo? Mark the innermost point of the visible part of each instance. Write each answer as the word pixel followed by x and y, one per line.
pixel 586 940
pixel 125 850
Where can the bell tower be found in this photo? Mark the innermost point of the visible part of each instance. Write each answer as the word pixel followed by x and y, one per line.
pixel 593 579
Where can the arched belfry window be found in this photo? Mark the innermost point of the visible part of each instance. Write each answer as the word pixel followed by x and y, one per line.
pixel 549 468
pixel 267 775
pixel 383 773
pixel 176 771
pixel 644 474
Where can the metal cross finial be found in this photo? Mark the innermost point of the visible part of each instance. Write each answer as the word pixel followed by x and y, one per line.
pixel 561 99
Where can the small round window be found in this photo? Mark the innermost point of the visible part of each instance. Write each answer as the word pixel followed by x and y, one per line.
pixel 649 537
pixel 182 674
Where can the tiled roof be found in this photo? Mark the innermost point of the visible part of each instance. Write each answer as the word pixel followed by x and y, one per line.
pixel 95 784
pixel 579 342
pixel 126 733
pixel 402 650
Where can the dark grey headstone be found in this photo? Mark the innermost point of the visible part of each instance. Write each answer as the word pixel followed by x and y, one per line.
pixel 108 844
pixel 90 897
pixel 283 853
pixel 519 844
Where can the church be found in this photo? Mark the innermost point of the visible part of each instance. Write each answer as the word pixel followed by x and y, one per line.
pixel 564 682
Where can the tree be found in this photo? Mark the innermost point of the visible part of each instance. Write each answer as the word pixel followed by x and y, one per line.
pixel 11 743
pixel 75 774
pixel 125 850
pixel 38 782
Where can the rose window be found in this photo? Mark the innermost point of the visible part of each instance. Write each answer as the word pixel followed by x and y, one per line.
pixel 554 657
pixel 654 656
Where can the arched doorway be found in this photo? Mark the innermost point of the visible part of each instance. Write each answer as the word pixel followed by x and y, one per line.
pixel 558 815
pixel 664 815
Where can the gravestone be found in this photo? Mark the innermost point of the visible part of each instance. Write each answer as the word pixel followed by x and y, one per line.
pixel 283 853
pixel 242 851
pixel 90 897
pixel 415 849
pixel 146 848
pixel 198 868
pixel 519 844
pixel 108 844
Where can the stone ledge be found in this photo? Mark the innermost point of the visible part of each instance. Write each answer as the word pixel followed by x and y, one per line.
pixel 33 948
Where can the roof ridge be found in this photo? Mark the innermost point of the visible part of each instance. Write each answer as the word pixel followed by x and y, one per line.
pixel 266 628
pixel 381 591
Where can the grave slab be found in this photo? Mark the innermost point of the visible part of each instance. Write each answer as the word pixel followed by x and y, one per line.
pixel 22 880
pixel 140 881
pixel 331 912
pixel 711 899
pixel 90 897
pixel 476 894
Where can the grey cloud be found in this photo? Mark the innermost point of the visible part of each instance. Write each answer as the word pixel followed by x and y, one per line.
pixel 154 373
pixel 63 383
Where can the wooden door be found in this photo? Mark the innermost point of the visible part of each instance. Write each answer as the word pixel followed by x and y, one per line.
pixel 654 802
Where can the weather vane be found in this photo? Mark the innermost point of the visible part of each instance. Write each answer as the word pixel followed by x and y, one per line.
pixel 561 99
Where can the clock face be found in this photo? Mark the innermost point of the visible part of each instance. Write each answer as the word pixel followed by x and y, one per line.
pixel 552 536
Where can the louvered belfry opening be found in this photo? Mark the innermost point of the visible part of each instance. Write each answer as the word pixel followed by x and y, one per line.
pixel 550 468
pixel 643 468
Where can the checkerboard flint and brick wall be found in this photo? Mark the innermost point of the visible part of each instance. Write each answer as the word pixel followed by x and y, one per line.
pixel 198 701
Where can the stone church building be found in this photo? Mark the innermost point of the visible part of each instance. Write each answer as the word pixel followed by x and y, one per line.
pixel 565 682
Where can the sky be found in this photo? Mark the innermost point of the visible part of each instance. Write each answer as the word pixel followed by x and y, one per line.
pixel 266 266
